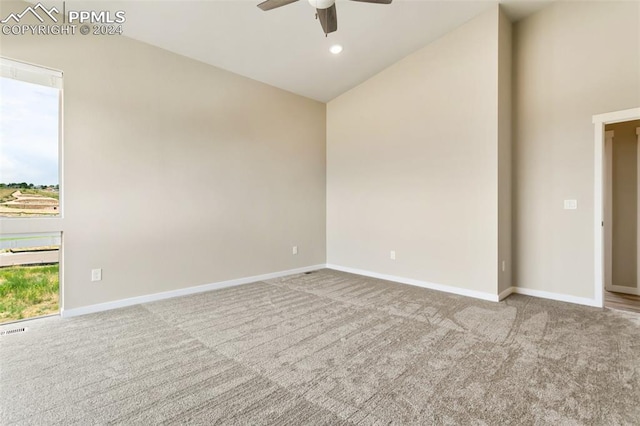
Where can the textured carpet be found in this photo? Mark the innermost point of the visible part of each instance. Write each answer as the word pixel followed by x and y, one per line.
pixel 326 348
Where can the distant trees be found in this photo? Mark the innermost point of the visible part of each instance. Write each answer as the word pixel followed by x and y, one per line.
pixel 22 185
pixel 25 185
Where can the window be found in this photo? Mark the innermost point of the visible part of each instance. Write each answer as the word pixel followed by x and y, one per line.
pixel 30 170
pixel 29 275
pixel 29 140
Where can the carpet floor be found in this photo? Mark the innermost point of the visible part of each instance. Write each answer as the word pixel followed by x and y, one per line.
pixel 327 348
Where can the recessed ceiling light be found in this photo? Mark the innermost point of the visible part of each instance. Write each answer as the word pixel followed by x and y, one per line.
pixel 335 49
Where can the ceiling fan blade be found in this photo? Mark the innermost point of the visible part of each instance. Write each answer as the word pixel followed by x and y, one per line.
pixel 328 19
pixel 272 4
pixel 375 1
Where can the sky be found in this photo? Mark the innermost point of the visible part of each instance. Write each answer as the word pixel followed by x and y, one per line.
pixel 28 133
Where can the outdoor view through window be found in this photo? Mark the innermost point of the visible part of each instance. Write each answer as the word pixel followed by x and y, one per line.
pixel 29 120
pixel 29 187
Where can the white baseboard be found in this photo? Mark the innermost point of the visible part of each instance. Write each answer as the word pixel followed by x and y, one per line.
pixel 471 293
pixel 424 284
pixel 67 313
pixel 506 293
pixel 555 296
pixel 623 289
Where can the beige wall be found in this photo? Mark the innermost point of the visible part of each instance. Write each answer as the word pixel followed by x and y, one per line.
pixel 625 203
pixel 504 152
pixel 176 173
pixel 413 164
pixel 572 60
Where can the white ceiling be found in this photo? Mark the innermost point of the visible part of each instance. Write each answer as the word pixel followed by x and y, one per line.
pixel 286 47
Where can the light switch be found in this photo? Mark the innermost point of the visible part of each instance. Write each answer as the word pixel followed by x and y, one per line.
pixel 570 204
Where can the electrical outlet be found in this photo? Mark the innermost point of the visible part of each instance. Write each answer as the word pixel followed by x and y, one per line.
pixel 294 250
pixel 504 266
pixel 392 255
pixel 96 275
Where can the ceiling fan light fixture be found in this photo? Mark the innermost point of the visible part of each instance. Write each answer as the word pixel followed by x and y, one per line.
pixel 325 10
pixel 335 49
pixel 321 4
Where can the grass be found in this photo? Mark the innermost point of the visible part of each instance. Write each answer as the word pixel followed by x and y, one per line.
pixel 40 193
pixel 28 291
pixel 5 194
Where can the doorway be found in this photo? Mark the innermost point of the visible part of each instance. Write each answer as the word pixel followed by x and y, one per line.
pixel 621 220
pixel 617 207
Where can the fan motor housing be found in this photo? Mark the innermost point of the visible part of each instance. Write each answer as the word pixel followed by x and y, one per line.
pixel 322 4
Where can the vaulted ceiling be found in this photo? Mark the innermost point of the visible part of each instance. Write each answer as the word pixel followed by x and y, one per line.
pixel 286 47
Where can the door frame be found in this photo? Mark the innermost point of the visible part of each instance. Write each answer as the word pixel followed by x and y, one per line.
pixel 599 122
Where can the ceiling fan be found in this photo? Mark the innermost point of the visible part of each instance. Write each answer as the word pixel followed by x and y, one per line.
pixel 325 10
